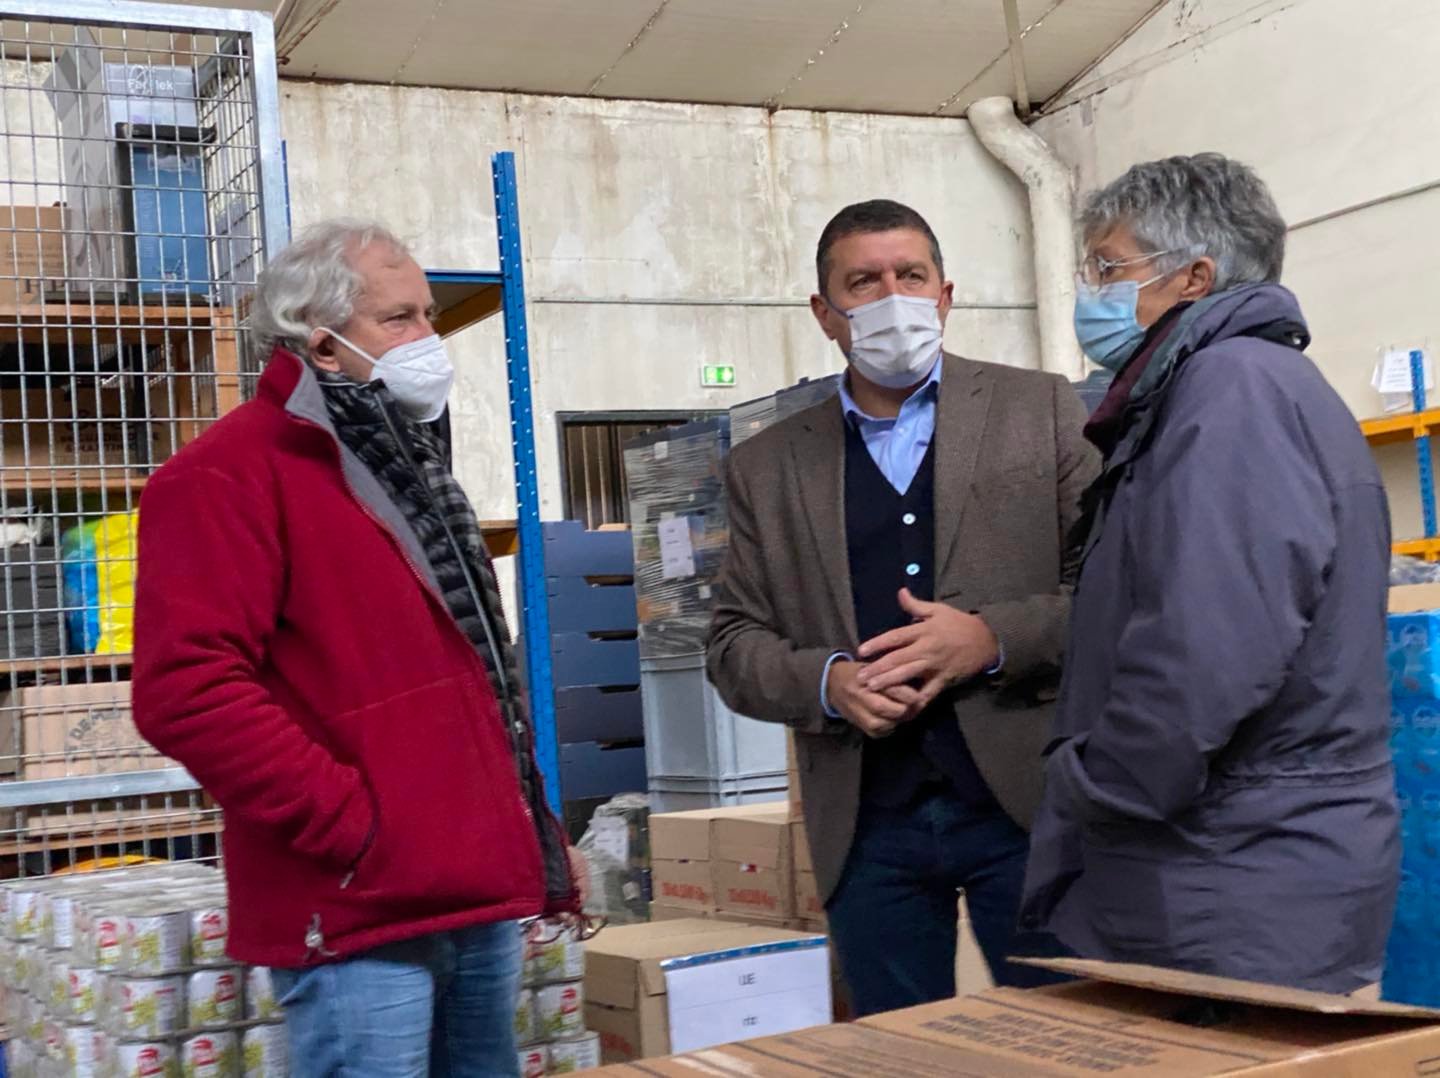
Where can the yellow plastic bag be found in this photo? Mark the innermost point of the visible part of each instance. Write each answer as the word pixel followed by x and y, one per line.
pixel 116 542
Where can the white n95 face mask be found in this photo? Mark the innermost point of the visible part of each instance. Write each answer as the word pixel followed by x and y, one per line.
pixel 896 340
pixel 418 374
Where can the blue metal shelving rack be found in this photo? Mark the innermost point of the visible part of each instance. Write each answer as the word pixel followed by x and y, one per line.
pixel 535 611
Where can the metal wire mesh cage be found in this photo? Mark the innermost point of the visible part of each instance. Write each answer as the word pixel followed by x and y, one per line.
pixel 140 186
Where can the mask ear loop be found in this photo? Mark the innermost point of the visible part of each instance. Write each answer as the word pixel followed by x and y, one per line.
pixel 366 356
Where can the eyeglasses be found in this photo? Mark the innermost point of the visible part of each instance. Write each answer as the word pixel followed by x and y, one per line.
pixel 1095 270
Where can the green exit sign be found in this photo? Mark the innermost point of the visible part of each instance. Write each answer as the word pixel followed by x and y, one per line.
pixel 717 377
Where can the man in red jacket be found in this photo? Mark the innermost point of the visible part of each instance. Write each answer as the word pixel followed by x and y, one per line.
pixel 320 641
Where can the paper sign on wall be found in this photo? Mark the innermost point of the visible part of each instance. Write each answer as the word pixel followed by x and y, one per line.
pixel 1392 375
pixel 677 554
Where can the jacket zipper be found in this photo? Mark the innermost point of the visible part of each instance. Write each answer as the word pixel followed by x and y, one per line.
pixel 491 638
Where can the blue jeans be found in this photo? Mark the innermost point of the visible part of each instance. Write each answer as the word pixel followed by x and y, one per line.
pixel 893 917
pixel 441 1005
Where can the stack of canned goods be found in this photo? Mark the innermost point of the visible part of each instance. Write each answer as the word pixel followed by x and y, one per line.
pixel 123 974
pixel 550 1016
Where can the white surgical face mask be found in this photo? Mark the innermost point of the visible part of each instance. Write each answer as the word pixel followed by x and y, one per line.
pixel 894 341
pixel 418 374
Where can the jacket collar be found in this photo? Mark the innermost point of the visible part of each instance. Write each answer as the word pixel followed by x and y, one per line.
pixel 290 384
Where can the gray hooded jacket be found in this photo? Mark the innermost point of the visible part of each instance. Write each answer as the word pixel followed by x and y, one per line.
pixel 1220 795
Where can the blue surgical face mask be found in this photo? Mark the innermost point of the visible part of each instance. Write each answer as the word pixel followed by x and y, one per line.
pixel 1105 320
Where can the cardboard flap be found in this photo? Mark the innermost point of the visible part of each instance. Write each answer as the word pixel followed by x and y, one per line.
pixel 1181 983
pixel 1414 598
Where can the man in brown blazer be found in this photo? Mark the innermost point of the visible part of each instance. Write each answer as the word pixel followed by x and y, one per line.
pixel 896 591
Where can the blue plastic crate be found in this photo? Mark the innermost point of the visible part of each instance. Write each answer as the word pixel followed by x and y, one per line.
pixel 584 660
pixel 578 606
pixel 570 550
pixel 592 770
pixel 595 713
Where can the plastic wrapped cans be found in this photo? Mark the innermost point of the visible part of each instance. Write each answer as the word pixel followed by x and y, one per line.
pixel 214 997
pixel 575 1054
pixel 260 1002
pixel 534 1061
pixel 560 1010
pixel 264 1052
pixel 157 943
pixel 147 1007
pixel 214 1054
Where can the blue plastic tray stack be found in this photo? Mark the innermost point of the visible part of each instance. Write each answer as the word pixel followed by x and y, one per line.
pixel 1412 968
pixel 596 660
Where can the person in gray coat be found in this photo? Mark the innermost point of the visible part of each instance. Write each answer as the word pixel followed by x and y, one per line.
pixel 1220 796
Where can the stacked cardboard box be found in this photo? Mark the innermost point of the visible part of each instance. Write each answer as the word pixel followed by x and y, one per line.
pixel 32 251
pixel 1126 1021
pixel 731 863
pixel 687 984
pixel 77 729
pixel 752 864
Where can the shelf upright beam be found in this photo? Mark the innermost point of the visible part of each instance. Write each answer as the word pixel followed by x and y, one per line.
pixel 535 611
pixel 1422 445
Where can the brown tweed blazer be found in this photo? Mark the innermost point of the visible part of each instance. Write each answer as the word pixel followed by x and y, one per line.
pixel 1010 466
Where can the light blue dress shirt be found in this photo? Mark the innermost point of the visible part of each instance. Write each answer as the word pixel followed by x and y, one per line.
pixel 898 446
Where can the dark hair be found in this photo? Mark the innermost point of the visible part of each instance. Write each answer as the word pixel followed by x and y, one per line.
pixel 877 215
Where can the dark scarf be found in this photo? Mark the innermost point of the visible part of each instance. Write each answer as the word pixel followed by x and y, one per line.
pixel 1108 421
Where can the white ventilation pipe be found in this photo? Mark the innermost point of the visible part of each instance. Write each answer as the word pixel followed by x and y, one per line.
pixel 1052 223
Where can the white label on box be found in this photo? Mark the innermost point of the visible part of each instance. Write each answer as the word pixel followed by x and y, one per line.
pixel 752 995
pixel 662 450
pixel 677 555
pixel 612 837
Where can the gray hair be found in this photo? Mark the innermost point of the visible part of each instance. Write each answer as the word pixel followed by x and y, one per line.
pixel 312 283
pixel 1195 206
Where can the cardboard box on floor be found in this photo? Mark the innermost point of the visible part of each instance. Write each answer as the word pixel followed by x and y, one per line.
pixel 700 982
pixel 76 729
pixel 1123 1021
pixel 691 853
pixel 792 777
pixel 753 865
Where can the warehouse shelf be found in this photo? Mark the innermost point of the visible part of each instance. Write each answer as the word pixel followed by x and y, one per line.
pixel 68 480
pixel 113 835
pixel 62 665
pixel 1429 549
pixel 502 537
pixel 1393 429
pixel 1415 427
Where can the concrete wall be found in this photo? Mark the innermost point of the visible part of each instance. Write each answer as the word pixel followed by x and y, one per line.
pixel 1326 98
pixel 657 237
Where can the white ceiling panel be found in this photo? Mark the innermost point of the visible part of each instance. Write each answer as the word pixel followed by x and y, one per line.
pixel 1053 45
pixel 700 50
pixel 921 57
pixel 910 56
pixel 529 46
